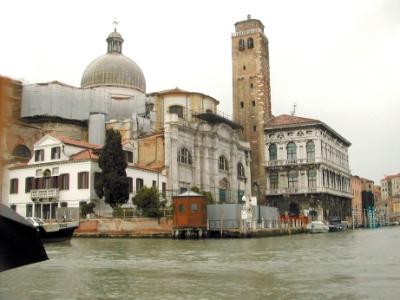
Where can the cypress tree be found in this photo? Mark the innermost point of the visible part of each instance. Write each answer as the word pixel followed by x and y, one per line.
pixel 112 183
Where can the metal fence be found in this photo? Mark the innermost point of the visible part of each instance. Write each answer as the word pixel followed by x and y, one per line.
pixel 228 216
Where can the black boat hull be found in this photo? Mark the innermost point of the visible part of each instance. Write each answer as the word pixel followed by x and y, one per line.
pixel 61 235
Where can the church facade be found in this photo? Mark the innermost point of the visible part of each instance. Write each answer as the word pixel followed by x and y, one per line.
pixel 175 133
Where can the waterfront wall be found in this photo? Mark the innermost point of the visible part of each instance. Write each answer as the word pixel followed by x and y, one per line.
pixel 135 227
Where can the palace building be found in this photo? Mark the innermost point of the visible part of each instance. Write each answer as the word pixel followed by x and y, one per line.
pixel 308 170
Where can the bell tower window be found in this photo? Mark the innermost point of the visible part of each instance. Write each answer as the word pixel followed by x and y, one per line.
pixel 250 43
pixel 241 44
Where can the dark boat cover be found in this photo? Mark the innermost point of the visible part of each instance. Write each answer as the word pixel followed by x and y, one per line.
pixel 19 241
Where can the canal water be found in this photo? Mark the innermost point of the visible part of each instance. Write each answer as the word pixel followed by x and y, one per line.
pixel 360 264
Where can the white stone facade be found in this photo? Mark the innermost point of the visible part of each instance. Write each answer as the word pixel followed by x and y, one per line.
pixel 206 145
pixel 65 178
pixel 306 163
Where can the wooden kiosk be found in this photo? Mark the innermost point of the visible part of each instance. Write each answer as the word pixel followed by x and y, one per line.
pixel 190 215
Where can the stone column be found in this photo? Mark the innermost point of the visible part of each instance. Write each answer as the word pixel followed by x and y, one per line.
pixel 197 164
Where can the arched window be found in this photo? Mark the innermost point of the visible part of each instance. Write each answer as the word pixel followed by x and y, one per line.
pixel 177 110
pixel 241 44
pixel 312 178
pixel 240 170
pixel 47 179
pixel 22 151
pixel 273 153
pixel 184 156
pixel 291 151
pixel 293 179
pixel 273 180
pixel 310 149
pixel 250 43
pixel 223 163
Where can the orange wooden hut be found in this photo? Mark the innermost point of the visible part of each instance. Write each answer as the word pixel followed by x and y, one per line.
pixel 190 215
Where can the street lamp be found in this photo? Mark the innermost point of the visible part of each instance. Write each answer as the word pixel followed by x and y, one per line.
pixel 258 197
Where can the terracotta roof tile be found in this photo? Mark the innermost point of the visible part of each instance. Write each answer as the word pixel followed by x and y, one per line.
pixel 70 141
pixel 388 177
pixel 84 154
pixel 286 120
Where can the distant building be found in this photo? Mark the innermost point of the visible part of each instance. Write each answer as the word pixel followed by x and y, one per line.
pixel 252 92
pixel 61 173
pixel 390 193
pixel 307 168
pixel 356 189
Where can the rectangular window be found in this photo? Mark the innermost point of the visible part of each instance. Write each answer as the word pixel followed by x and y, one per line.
pixel 254 103
pixel 29 181
pixel 182 190
pixel 274 181
pixel 63 182
pixel 46 211
pixel 164 189
pixel 29 210
pixel 54 182
pixel 181 208
pixel 64 204
pixel 14 186
pixel 129 156
pixel 38 210
pixel 139 184
pixel 154 184
pixel 55 153
pixel 244 67
pixel 53 209
pixel 251 85
pixel 130 182
pixel 222 195
pixel 83 180
pixel 254 128
pixel 194 207
pixel 39 155
pixel 241 104
pixel 13 207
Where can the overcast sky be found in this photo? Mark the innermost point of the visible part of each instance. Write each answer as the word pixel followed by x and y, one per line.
pixel 338 60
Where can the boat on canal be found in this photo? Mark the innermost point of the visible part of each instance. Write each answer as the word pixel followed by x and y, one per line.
pixel 317 227
pixel 54 231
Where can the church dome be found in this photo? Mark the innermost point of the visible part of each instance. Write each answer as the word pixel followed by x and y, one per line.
pixel 114 68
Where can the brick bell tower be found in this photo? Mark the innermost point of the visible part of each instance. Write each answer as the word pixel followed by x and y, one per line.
pixel 252 94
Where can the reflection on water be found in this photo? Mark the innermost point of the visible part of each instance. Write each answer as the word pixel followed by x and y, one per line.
pixel 361 264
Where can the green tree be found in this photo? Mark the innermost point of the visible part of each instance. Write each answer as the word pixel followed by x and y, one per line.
pixel 148 201
pixel 86 208
pixel 112 183
pixel 208 195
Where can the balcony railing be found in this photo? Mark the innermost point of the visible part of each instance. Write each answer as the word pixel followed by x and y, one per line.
pixel 45 194
pixel 300 161
pixel 307 190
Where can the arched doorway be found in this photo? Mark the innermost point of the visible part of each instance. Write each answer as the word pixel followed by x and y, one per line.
pixel 313 215
pixel 294 209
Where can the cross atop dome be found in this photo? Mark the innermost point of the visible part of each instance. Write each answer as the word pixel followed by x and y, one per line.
pixel 115 23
